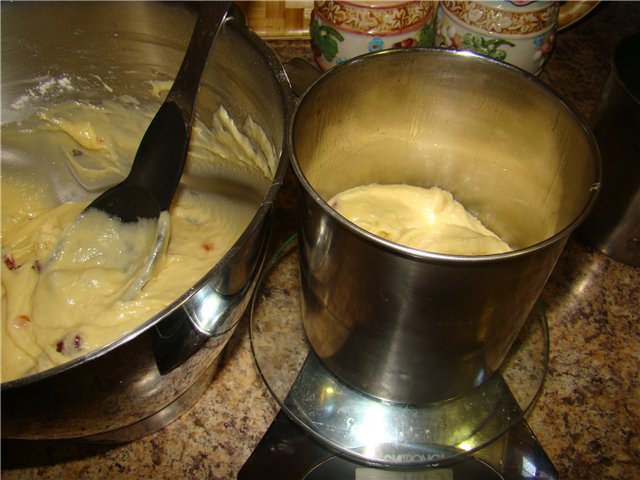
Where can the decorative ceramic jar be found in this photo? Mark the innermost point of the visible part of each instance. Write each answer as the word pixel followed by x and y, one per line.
pixel 341 30
pixel 521 33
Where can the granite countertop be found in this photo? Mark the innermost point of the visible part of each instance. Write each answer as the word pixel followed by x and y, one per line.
pixel 587 417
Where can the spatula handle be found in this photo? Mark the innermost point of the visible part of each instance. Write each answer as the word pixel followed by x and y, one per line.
pixel 162 153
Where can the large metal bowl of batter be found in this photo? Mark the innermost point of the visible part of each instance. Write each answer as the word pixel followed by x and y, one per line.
pixel 149 376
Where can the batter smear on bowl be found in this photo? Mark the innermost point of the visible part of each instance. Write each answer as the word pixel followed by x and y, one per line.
pixel 56 310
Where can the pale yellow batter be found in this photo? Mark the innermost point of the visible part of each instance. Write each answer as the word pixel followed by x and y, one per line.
pixel 55 308
pixel 428 219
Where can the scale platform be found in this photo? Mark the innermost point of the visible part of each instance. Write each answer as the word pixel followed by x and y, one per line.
pixel 326 429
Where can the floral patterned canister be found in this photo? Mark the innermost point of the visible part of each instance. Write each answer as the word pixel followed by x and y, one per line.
pixel 342 30
pixel 518 32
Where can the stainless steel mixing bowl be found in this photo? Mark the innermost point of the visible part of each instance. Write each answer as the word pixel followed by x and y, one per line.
pixel 145 379
pixel 412 326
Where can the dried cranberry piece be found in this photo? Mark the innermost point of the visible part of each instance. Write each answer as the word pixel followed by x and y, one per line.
pixel 70 344
pixel 10 262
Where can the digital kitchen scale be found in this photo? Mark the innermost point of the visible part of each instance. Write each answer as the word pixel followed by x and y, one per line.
pixel 326 429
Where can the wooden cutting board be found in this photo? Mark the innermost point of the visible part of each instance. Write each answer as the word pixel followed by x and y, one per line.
pixel 278 20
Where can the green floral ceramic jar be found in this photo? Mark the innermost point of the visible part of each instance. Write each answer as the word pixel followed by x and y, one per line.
pixel 518 32
pixel 341 30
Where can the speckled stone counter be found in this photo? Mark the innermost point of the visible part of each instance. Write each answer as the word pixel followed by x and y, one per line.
pixel 587 417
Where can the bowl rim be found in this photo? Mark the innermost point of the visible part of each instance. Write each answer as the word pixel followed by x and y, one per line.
pixel 456 55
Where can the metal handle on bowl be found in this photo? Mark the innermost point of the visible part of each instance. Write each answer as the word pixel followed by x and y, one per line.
pixel 212 313
pixel 302 75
